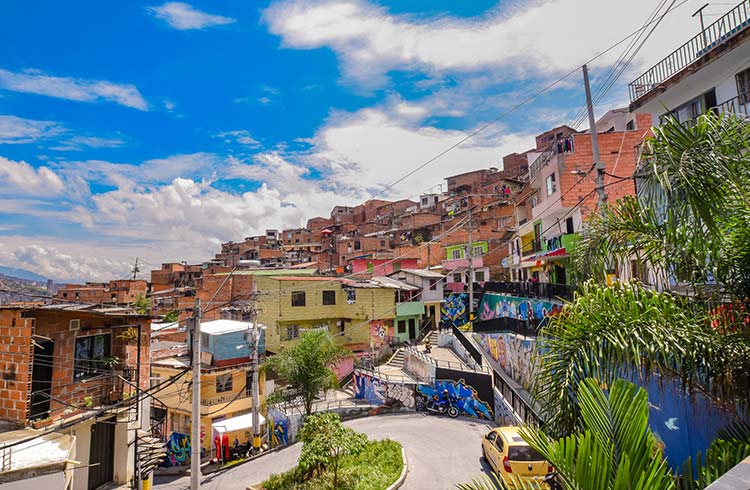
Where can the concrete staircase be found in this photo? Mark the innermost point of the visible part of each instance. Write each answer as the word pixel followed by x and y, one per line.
pixel 433 336
pixel 398 359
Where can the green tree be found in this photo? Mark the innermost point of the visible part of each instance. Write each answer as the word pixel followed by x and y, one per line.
pixel 142 305
pixel 172 316
pixel 628 330
pixel 325 441
pixel 691 220
pixel 307 365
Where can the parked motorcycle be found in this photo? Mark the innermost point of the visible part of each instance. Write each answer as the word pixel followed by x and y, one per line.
pixel 438 405
pixel 553 482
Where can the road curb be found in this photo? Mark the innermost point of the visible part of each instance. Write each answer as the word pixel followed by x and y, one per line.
pixel 404 472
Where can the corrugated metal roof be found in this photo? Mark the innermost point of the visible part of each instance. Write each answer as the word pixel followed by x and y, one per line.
pixel 389 282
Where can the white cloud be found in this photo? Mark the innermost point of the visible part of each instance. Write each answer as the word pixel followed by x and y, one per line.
pixel 241 136
pixel 16 130
pixel 182 16
pixel 370 149
pixel 78 89
pixel 77 143
pixel 541 37
pixel 50 262
pixel 22 178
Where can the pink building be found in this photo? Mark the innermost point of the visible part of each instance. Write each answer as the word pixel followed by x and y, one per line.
pixel 382 267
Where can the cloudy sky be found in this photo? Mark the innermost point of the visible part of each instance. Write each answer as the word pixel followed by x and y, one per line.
pixel 159 130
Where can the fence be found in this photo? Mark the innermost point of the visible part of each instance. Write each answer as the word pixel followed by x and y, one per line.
pixel 519 400
pixel 711 37
pixel 468 345
pixel 544 290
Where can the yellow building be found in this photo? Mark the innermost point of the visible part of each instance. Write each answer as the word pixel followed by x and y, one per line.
pixel 226 385
pixel 349 310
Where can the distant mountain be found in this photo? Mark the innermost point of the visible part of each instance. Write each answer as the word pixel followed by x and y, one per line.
pixel 22 274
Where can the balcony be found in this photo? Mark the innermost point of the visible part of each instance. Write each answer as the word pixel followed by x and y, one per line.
pixel 716 34
pixel 453 264
pixel 561 145
pixel 225 398
pixel 739 105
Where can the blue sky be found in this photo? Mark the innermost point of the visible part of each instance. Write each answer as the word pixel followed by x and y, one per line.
pixel 159 130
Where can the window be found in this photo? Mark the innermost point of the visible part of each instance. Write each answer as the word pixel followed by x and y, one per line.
pixel 298 298
pixel 292 332
pixel 382 243
pixel 630 126
pixel 569 226
pixel 433 284
pixel 456 253
pixel 357 245
pixel 479 276
pixel 90 356
pixel 224 383
pixel 458 277
pixel 478 251
pixel 743 86
pixel 402 326
pixel 329 298
pixel 534 201
pixel 204 340
pixel 551 185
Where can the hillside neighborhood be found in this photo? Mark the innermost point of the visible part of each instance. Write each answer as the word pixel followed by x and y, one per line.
pixel 573 315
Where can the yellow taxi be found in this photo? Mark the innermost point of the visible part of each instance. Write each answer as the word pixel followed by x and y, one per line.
pixel 513 459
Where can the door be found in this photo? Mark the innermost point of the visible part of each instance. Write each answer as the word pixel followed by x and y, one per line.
pixel 412 328
pixel 491 452
pixel 101 453
pixel 41 379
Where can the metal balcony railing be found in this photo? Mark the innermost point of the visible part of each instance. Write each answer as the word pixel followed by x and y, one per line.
pixel 739 105
pixel 526 289
pixel 712 36
pixel 225 398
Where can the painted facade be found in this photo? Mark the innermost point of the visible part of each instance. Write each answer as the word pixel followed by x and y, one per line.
pixel 344 308
pixel 495 306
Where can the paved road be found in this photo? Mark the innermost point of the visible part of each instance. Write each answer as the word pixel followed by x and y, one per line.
pixel 441 452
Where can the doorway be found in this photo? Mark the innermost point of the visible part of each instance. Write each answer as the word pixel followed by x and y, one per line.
pixel 41 379
pixel 412 328
pixel 101 453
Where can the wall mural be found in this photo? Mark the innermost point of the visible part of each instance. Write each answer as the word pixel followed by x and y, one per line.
pixel 465 396
pixel 178 450
pixel 380 332
pixel 279 427
pixel 380 392
pixel 502 306
pixel 514 354
pixel 503 412
pixel 453 310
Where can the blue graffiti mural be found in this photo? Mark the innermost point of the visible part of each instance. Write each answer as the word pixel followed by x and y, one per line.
pixel 178 450
pixel 278 428
pixel 465 397
pixel 454 309
pixel 369 388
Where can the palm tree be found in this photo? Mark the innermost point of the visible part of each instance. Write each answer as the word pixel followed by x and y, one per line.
pixel 614 448
pixel 691 220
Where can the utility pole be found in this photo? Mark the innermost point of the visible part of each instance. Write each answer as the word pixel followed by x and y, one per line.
pixel 598 164
pixel 136 270
pixel 254 353
pixel 195 436
pixel 470 255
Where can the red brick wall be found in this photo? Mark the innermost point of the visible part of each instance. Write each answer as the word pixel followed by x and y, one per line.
pixel 15 362
pixel 617 151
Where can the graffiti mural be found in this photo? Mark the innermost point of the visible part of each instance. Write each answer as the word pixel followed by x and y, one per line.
pixel 503 412
pixel 380 333
pixel 465 396
pixel 418 367
pixel 380 392
pixel 178 450
pixel 502 306
pixel 278 428
pixel 453 310
pixel 370 388
pixel 515 354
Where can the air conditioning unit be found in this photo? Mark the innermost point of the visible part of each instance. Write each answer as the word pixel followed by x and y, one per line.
pixel 74 324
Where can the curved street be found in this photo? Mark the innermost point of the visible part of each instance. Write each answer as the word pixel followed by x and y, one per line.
pixel 441 452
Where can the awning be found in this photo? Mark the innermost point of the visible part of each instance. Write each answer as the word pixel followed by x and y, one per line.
pixel 239 422
pixel 536 260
